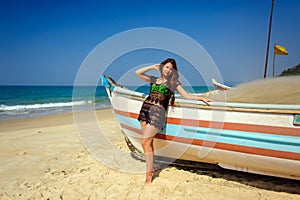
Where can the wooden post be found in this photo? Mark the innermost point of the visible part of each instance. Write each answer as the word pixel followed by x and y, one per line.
pixel 269 35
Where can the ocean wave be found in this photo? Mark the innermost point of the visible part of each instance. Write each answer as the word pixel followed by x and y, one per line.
pixel 43 106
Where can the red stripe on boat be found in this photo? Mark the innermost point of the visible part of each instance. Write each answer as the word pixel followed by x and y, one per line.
pixel 224 146
pixel 225 125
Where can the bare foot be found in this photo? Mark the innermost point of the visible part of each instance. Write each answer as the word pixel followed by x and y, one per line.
pixel 149 176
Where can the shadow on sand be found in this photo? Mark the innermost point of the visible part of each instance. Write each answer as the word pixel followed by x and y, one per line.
pixel 212 170
pixel 270 183
pixel 254 180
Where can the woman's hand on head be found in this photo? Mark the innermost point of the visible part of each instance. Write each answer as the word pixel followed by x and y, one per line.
pixel 157 67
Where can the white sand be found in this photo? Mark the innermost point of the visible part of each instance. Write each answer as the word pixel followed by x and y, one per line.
pixel 43 158
pixel 279 90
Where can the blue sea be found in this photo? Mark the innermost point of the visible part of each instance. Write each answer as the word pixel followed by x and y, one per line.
pixel 18 102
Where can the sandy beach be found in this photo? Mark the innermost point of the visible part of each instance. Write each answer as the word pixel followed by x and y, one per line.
pixel 44 158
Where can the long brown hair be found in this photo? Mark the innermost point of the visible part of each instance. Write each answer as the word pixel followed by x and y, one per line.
pixel 173 78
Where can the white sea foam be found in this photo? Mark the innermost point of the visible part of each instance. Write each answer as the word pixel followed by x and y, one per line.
pixel 43 106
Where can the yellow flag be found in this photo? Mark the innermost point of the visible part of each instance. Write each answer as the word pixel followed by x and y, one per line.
pixel 280 50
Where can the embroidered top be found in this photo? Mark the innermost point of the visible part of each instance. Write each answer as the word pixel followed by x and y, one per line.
pixel 160 94
pixel 161 88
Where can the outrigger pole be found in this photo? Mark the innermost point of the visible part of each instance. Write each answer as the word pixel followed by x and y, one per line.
pixel 269 35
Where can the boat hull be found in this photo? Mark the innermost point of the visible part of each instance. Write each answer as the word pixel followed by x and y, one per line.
pixel 262 141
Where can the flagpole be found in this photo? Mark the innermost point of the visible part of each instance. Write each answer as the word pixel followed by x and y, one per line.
pixel 274 63
pixel 270 27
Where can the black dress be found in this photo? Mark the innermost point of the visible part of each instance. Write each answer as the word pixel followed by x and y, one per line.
pixel 154 107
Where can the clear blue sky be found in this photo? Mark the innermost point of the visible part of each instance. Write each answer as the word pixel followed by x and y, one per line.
pixel 44 42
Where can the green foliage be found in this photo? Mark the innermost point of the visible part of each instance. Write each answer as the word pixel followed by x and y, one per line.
pixel 293 71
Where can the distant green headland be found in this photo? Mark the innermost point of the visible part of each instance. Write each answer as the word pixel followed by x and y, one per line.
pixel 293 71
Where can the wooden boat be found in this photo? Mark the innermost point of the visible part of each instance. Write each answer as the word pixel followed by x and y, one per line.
pixel 256 138
pixel 220 86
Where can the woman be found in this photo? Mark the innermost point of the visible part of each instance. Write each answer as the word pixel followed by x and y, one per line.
pixel 153 112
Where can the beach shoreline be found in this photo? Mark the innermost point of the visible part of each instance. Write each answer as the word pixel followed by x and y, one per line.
pixel 44 158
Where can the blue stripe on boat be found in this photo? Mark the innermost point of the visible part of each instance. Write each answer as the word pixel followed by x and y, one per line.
pixel 251 139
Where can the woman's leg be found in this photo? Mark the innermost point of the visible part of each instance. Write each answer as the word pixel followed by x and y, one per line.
pixel 148 132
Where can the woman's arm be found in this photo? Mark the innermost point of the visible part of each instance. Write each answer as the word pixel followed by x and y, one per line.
pixel 186 95
pixel 141 72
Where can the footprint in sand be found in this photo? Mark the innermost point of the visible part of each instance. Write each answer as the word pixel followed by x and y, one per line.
pixel 21 153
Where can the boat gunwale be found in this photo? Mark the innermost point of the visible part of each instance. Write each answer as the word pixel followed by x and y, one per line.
pixel 226 106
